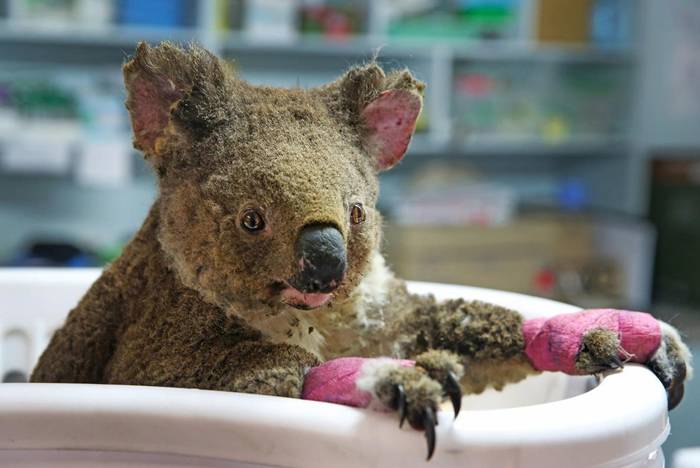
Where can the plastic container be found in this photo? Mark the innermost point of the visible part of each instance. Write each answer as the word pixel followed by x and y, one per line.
pixel 551 420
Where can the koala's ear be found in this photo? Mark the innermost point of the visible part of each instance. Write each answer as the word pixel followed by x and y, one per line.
pixel 389 122
pixel 385 107
pixel 172 91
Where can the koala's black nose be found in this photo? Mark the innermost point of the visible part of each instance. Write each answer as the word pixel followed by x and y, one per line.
pixel 321 260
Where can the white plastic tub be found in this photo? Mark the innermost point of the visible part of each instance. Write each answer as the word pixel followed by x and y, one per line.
pixel 545 421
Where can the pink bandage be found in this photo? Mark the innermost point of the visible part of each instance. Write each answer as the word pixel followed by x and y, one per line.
pixel 336 381
pixel 552 344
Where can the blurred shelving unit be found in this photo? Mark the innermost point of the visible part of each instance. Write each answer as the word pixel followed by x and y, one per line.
pixel 92 47
pixel 553 148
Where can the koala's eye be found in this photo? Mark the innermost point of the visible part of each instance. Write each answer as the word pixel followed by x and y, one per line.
pixel 357 213
pixel 252 221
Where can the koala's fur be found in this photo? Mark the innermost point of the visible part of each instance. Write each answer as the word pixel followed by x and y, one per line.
pixel 193 300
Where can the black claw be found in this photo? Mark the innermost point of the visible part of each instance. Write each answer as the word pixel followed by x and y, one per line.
pixel 660 374
pixel 675 395
pixel 453 390
pixel 614 364
pixel 429 423
pixel 401 404
pixel 617 363
pixel 681 372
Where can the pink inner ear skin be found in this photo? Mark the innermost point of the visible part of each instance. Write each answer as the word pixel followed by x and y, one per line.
pixel 390 120
pixel 150 102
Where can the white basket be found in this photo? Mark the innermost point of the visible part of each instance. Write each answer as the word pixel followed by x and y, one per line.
pixel 545 421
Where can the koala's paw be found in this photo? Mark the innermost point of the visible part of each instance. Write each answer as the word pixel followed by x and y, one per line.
pixel 600 351
pixel 416 392
pixel 672 364
pixel 591 341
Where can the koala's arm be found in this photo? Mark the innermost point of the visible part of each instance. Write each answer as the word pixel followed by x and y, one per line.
pixel 498 346
pixel 216 362
pixel 488 339
pixel 258 367
pixel 79 351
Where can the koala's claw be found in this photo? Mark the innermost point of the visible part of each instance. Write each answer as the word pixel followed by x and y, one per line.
pixel 453 390
pixel 400 404
pixel 613 363
pixel 675 387
pixel 671 363
pixel 424 419
pixel 417 407
pixel 429 419
pixel 429 423
pixel 616 363
pixel 673 381
pixel 445 368
pixel 415 392
pixel 675 393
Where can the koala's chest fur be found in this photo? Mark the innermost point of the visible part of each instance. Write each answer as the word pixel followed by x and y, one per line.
pixel 351 327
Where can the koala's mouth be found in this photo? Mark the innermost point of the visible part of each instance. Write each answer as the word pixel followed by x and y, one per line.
pixel 305 301
pixel 291 296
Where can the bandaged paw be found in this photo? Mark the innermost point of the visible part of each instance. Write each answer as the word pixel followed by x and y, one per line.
pixel 592 341
pixel 345 381
pixel 581 342
pixel 414 389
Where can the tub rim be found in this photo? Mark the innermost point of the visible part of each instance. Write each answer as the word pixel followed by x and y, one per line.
pixel 248 428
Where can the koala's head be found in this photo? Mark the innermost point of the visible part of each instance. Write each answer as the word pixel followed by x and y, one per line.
pixel 267 196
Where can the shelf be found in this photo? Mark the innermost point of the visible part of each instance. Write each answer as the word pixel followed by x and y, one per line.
pixel 363 46
pixel 421 149
pixel 532 52
pixel 520 148
pixel 109 36
pixel 80 46
pixel 464 50
pixel 124 39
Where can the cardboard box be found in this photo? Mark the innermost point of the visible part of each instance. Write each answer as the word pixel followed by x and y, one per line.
pixel 506 257
pixel 560 21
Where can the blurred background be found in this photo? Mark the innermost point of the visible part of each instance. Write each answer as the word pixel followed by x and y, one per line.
pixel 558 154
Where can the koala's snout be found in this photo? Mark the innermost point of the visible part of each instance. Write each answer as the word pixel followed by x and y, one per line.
pixel 321 258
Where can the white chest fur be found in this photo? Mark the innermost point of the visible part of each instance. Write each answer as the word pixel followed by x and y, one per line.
pixel 334 330
pixel 295 328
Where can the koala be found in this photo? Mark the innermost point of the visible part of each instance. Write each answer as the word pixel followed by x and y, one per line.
pixel 259 262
